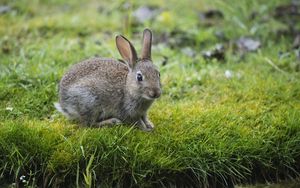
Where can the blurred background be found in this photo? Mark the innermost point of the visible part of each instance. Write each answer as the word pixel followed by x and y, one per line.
pixel 210 29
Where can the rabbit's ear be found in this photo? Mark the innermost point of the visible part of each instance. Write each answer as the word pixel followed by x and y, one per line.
pixel 126 50
pixel 147 42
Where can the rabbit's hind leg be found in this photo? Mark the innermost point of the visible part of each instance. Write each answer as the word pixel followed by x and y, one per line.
pixel 83 102
pixel 67 106
pixel 109 122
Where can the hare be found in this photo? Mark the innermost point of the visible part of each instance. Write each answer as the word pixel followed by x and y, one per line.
pixel 104 91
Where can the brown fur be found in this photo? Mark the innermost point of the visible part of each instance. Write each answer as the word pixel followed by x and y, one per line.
pixel 101 91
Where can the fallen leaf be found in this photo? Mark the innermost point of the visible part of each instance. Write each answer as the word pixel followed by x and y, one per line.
pixel 218 52
pixel 4 9
pixel 248 44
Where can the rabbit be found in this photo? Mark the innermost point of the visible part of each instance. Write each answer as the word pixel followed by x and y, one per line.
pixel 104 91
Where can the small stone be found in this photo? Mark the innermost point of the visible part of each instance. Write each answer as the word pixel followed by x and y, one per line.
pixel 4 9
pixel 22 177
pixel 228 74
pixel 9 108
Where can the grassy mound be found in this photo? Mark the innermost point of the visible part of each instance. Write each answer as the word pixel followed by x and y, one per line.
pixel 218 122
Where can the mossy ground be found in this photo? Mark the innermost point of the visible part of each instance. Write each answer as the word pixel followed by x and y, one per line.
pixel 211 130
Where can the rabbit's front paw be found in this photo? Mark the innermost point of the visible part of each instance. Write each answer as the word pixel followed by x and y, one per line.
pixel 145 125
pixel 140 123
pixel 149 124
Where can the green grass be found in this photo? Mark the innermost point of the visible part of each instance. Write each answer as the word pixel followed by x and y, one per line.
pixel 210 130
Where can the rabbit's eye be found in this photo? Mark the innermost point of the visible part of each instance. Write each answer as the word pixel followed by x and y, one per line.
pixel 139 76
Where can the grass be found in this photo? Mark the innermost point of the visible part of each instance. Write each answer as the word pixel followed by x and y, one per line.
pixel 210 130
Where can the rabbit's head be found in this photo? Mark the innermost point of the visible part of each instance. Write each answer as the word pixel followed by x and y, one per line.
pixel 143 79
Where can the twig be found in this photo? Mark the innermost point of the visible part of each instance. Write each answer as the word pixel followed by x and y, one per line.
pixel 274 66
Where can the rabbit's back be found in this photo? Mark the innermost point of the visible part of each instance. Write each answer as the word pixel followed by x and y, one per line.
pixel 95 70
pixel 93 89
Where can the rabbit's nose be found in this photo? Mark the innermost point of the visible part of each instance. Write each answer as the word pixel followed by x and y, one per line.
pixel 155 93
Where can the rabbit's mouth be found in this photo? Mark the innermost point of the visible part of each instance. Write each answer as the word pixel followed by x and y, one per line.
pixel 148 98
pixel 152 94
